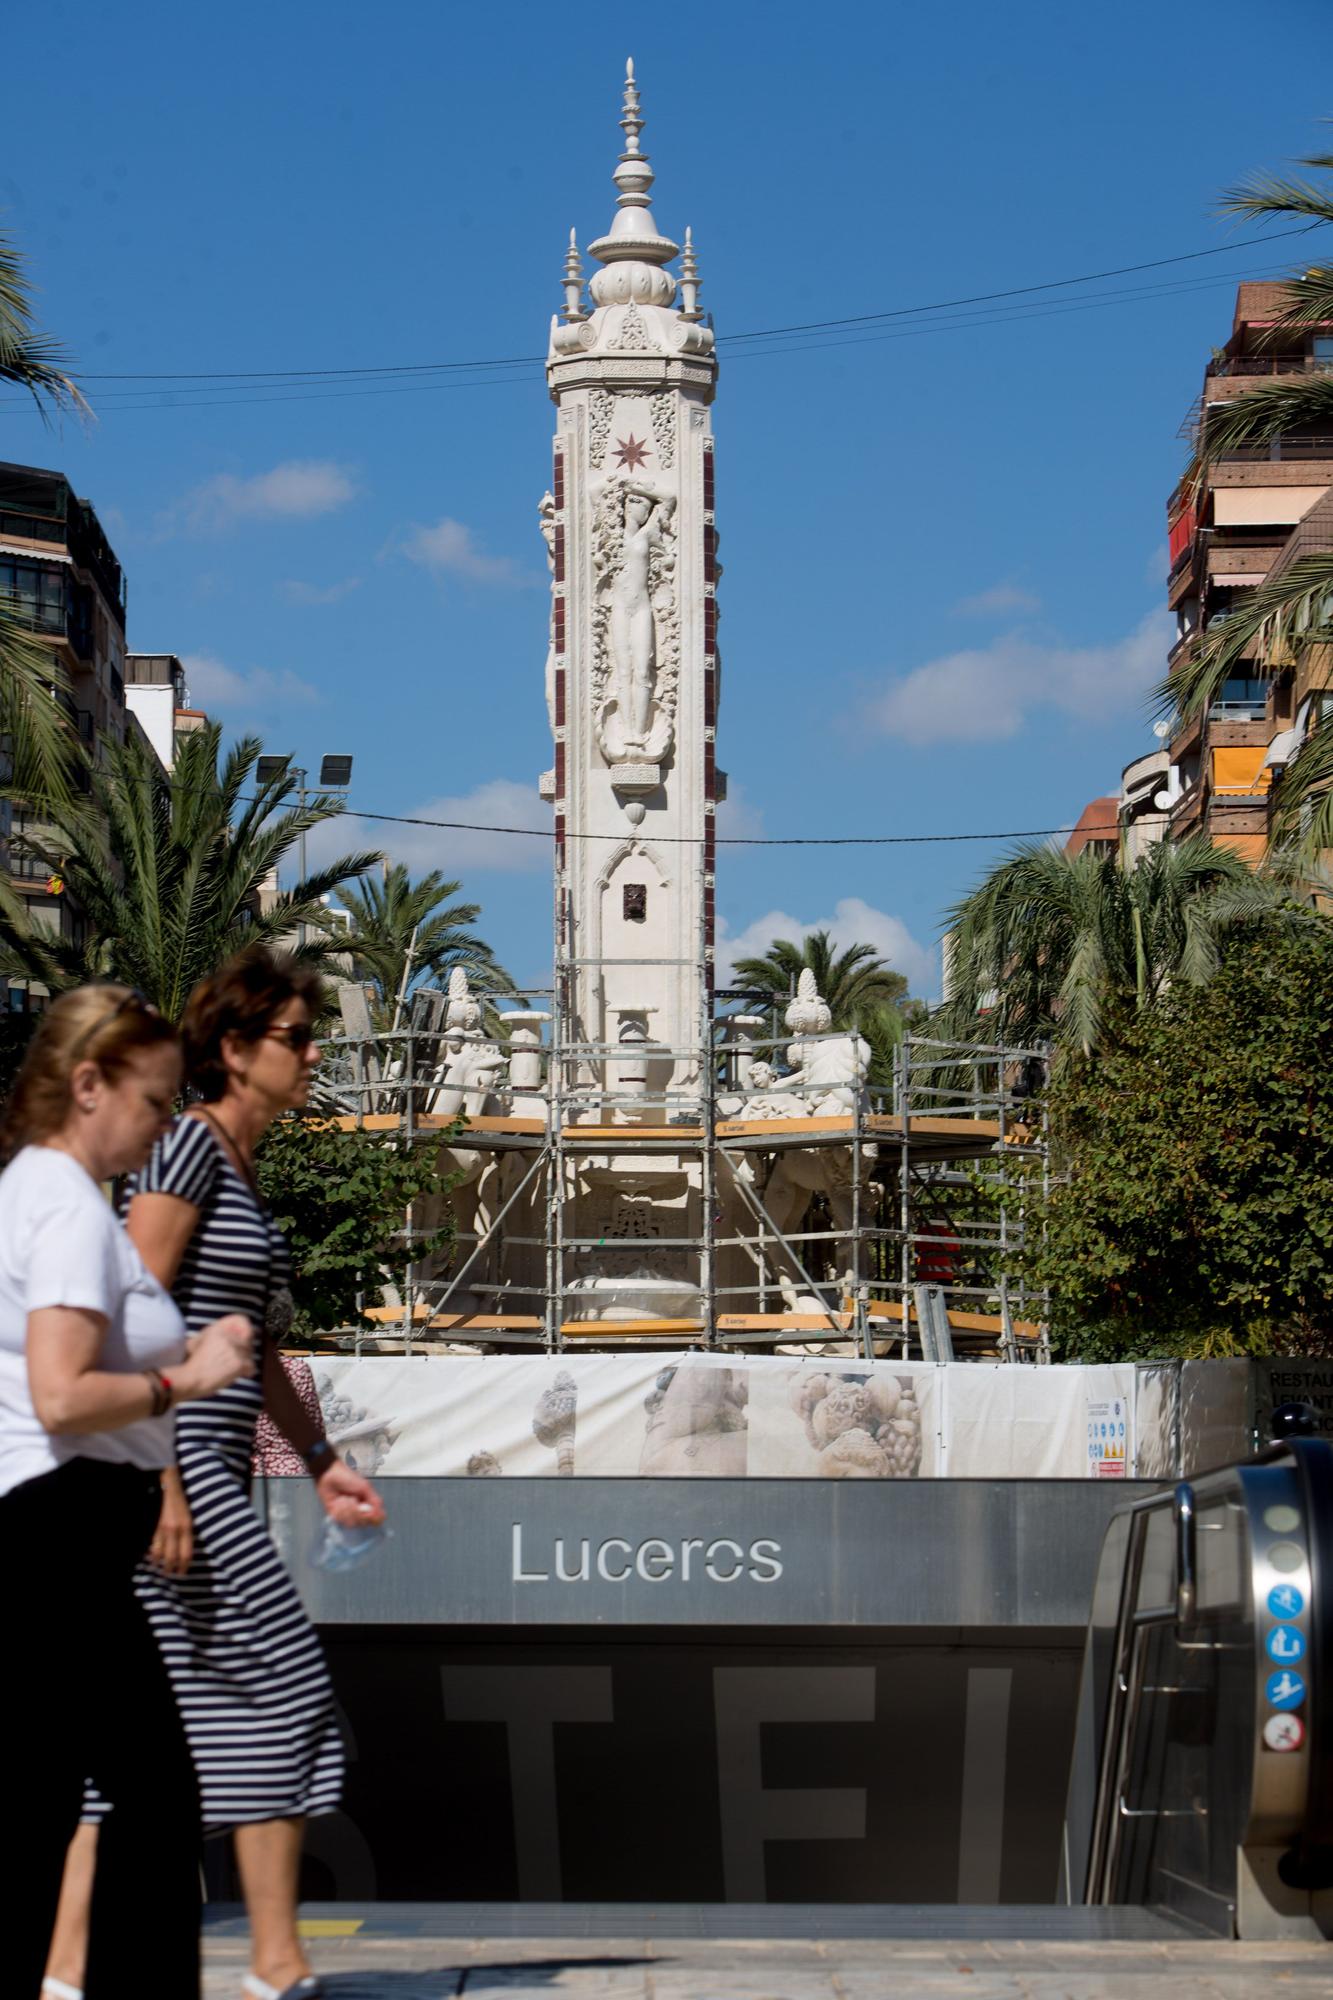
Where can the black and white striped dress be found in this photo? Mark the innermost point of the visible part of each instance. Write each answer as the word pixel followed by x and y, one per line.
pixel 245 1665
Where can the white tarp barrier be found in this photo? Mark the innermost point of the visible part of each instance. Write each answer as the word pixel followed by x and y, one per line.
pixel 709 1416
pixel 1037 1423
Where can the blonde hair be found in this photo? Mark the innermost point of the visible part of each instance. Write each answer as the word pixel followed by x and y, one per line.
pixel 103 1024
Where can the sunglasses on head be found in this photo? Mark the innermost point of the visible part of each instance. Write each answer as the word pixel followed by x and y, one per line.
pixel 136 999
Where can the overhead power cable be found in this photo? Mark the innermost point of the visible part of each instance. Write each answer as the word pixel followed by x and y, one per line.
pixel 232 395
pixel 314 798
pixel 756 333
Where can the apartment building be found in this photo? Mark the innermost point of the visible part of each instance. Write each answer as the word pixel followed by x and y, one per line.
pixel 60 575
pixel 159 702
pixel 1258 508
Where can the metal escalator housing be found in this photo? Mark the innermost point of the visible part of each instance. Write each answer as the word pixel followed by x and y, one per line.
pixel 1203 1756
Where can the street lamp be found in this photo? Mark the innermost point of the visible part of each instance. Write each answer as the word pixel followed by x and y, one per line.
pixel 335 775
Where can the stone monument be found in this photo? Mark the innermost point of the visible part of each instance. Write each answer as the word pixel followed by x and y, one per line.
pixel 632 669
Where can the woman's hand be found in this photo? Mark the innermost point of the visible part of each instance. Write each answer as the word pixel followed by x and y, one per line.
pixel 222 1354
pixel 173 1544
pixel 347 1498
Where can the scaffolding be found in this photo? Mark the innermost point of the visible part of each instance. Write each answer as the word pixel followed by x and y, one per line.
pixel 894 1220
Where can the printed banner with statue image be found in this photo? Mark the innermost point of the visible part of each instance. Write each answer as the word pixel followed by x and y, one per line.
pixel 693 1415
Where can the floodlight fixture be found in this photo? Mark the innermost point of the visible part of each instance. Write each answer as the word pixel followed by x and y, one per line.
pixel 335 773
pixel 269 769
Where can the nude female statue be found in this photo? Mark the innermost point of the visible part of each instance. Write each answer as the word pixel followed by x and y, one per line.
pixel 647 518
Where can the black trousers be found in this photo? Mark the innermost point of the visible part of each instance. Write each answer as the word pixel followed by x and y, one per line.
pixel 86 1695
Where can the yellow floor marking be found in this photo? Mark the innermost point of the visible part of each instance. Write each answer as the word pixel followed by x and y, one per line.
pixel 313 1927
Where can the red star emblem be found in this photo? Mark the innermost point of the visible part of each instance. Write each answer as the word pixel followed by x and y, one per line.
pixel 631 452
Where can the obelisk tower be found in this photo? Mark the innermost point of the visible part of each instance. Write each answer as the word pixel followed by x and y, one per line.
pixel 632 673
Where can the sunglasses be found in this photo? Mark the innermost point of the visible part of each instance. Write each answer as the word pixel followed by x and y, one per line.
pixel 136 1000
pixel 298 1036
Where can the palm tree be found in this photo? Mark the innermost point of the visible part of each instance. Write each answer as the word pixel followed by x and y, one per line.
pixel 1053 946
pixel 170 884
pixel 401 935
pixel 1293 609
pixel 854 983
pixel 44 752
pixel 30 359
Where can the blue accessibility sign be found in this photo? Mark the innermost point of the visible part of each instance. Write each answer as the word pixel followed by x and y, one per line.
pixel 1285 1601
pixel 1284 1642
pixel 1284 1690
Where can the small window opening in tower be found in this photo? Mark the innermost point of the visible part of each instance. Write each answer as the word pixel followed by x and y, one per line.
pixel 636 903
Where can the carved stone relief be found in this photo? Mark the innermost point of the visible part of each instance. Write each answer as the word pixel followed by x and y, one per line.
pixel 664 427
pixel 636 623
pixel 601 408
pixel 631 337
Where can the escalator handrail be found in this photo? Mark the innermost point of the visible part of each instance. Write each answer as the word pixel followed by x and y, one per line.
pixel 1314 1463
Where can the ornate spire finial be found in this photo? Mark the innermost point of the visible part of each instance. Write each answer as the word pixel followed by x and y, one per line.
pixel 631 122
pixel 633 234
pixel 689 280
pixel 573 280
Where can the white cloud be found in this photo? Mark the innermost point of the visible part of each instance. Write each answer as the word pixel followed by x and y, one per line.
pixel 853 922
pixel 998 601
pixel 986 693
pixel 451 549
pixel 222 689
pixel 458 851
pixel 737 819
pixel 297 592
pixel 301 489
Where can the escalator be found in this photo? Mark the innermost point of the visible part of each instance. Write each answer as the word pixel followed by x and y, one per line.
pixel 905 1701
pixel 1201 1783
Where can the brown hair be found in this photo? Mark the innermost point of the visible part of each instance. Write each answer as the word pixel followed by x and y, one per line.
pixel 241 998
pixel 102 1024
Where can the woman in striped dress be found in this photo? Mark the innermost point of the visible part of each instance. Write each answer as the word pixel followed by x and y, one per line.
pixel 245 1665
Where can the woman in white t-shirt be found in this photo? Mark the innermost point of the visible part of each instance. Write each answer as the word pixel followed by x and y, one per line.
pixel 93 1358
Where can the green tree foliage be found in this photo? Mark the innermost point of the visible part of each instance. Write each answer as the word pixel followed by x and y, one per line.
pixel 862 990
pixel 393 916
pixel 170 884
pixel 1054 946
pixel 1193 1207
pixel 340 1198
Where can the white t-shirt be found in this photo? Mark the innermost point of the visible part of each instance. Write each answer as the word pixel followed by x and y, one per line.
pixel 61 1245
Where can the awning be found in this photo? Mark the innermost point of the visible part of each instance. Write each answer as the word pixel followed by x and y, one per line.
pixel 1288 741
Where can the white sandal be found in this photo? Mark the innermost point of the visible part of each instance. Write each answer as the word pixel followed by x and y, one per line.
pixel 59 1989
pixel 309 1988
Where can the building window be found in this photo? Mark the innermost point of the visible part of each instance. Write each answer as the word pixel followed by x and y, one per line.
pixel 36 594
pixel 1322 350
pixel 636 903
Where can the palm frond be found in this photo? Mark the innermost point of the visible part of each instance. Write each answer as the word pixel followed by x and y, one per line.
pixel 29 359
pixel 1266 412
pixel 44 752
pixel 1273 194
pixel 1281 615
pixel 1302 808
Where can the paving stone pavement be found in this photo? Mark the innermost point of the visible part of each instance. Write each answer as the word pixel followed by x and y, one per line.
pixel 421 1967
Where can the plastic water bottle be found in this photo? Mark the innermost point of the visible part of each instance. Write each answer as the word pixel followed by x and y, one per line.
pixel 338 1548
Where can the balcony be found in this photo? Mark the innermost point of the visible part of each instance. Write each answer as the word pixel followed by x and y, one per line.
pixel 1238 711
pixel 1268 364
pixel 1280 451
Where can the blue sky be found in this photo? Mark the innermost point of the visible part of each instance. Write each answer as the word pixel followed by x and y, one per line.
pixel 943 549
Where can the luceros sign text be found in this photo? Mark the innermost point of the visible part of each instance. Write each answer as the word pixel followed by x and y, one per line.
pixel 615 1560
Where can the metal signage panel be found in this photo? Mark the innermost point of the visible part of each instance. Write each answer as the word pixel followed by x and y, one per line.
pixel 735 1553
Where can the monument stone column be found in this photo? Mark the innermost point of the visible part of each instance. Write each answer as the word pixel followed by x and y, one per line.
pixel 632 670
